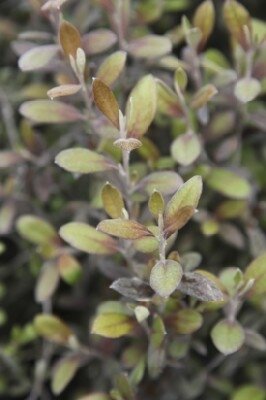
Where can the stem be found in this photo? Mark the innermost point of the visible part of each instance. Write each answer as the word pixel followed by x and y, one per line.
pixel 162 241
pixel 184 107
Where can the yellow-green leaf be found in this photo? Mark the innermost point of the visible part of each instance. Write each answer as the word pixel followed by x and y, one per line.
pixel 64 371
pixel 86 238
pixel 35 229
pixel 123 228
pixel 141 107
pixel 47 111
pixel 82 161
pixel 236 17
pixel 188 195
pixel 204 19
pixel 112 201
pixel 228 336
pixel 52 328
pixel 186 148
pixel 111 67
pixel 228 183
pixel 112 325
pixel 165 277
pixel 150 46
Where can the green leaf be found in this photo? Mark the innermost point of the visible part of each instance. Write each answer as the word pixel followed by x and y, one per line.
pixel 52 328
pixel 47 282
pixel 105 101
pixel 168 101
pixel 188 195
pixel 86 238
pixel 38 57
pixel 123 228
pixel 247 89
pixel 228 183
pixel 64 371
pixel 112 201
pixel 204 19
pixel 165 277
pixel 111 67
pixel 186 148
pixel 187 321
pixel 156 203
pixel 257 270
pixel 36 230
pixel 150 46
pixel 203 95
pixel 247 392
pixel 112 325
pixel 82 161
pixel 141 107
pixel 147 244
pixel 228 336
pixel 47 111
pixel 166 182
pixel 236 17
pixel 95 396
pixel 69 268
pixel 124 387
pixel 180 79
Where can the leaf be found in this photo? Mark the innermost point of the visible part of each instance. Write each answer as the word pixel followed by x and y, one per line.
pixel 69 268
pixel 187 321
pixel 150 46
pixel 228 183
pixel 82 161
pixel 106 101
pixel 166 182
pixel 47 282
pixel 69 38
pixel 38 57
pixel 156 203
pixel 147 244
pixel 112 325
pixel 124 387
pixel 180 79
pixel 199 286
pixel 64 371
pixel 9 158
pixel 204 19
pixel 168 101
pixel 141 313
pixel 180 219
pixel 188 195
pixel 203 95
pixel 255 340
pixel 128 144
pixel 228 336
pixel 133 288
pixel 165 277
pixel 63 90
pixel 112 201
pixel 86 238
pixel 95 396
pixel 186 148
pixel 123 228
pixel 257 270
pixel 52 328
pixel 247 89
pixel 141 107
pixel 46 112
pixel 98 41
pixel 247 392
pixel 111 67
pixel 236 17
pixel 35 229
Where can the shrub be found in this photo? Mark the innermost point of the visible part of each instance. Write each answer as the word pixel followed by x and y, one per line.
pixel 137 265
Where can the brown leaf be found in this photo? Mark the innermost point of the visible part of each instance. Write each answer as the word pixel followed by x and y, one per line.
pixel 69 38
pixel 179 219
pixel 106 101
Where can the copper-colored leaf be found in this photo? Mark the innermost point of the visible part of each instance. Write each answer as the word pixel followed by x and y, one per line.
pixel 122 228
pixel 69 39
pixel 106 101
pixel 179 219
